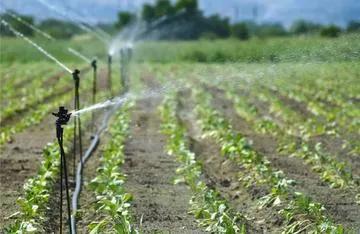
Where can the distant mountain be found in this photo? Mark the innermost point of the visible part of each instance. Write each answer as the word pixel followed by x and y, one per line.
pixel 284 11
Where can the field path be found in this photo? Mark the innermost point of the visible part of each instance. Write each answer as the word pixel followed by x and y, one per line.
pixel 158 204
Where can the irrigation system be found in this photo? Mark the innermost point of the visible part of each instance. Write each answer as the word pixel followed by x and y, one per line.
pixel 29 25
pixel 63 116
pixel 93 64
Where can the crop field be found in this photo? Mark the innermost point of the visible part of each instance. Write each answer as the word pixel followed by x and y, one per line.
pixel 217 136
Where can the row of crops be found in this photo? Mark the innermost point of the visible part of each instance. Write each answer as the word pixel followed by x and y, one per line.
pixel 304 116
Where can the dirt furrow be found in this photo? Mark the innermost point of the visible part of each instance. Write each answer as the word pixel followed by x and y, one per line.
pixel 340 203
pixel 158 206
pixel 221 174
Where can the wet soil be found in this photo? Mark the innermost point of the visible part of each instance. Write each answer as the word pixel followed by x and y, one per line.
pixel 158 206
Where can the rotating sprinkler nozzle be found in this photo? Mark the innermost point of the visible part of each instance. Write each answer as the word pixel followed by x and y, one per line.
pixel 63 118
pixel 76 74
pixel 94 64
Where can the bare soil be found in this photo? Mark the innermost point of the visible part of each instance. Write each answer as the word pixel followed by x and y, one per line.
pixel 159 206
pixel 20 160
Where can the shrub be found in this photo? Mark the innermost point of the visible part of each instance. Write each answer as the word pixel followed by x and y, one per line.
pixel 240 31
pixel 353 26
pixel 330 31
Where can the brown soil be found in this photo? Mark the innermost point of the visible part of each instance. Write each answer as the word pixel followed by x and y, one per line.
pixel 158 206
pixel 222 175
pixel 20 160
pixel 49 98
pixel 339 202
pixel 331 144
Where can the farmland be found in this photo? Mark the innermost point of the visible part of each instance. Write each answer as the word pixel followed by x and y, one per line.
pixel 224 136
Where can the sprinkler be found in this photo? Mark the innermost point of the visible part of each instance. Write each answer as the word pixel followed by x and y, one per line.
pixel 109 73
pixel 63 118
pixel 123 69
pixel 77 121
pixel 94 66
pixel 125 57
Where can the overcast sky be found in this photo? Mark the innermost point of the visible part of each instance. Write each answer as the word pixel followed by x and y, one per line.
pixel 283 11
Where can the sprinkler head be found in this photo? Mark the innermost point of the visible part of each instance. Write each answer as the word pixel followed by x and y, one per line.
pixel 93 63
pixel 63 116
pixel 109 58
pixel 76 74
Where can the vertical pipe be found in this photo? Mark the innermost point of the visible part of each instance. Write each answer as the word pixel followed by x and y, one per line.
pixel 63 118
pixel 122 70
pixel 61 188
pixel 94 66
pixel 76 78
pixel 109 74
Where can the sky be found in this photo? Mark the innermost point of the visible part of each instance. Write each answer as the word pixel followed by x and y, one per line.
pixel 283 11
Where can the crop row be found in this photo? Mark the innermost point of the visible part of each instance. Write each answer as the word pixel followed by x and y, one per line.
pixel 112 202
pixel 211 211
pixel 36 116
pixel 299 211
pixel 336 173
pixel 37 191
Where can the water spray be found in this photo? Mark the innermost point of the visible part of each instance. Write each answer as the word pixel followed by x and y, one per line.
pixel 109 83
pixel 78 22
pixel 29 25
pixel 77 120
pixel 63 118
pixel 80 55
pixel 93 64
pixel 125 57
pixel 47 54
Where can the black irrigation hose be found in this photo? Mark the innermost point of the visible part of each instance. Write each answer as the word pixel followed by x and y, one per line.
pixel 79 173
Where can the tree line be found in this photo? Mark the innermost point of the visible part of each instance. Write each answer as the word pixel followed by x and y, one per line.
pixel 182 20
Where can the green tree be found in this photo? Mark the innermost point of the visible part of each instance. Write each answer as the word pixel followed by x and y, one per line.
pixel 148 13
pixel 353 26
pixel 303 27
pixel 240 31
pixel 270 30
pixel 163 8
pixel 59 29
pixel 124 19
pixel 330 31
pixel 219 26
pixel 188 5
pixel 21 27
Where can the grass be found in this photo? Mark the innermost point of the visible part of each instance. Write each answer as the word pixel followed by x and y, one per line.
pixel 288 49
pixel 284 49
